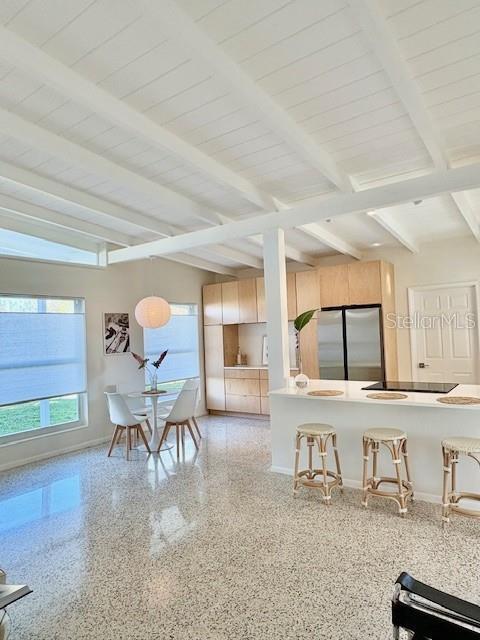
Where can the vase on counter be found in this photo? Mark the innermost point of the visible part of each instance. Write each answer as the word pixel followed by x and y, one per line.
pixel 153 381
pixel 301 380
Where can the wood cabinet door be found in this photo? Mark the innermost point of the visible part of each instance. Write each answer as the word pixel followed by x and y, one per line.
pixel 364 282
pixel 247 300
pixel 242 387
pixel 292 296
pixel 243 404
pixel 264 406
pixel 230 308
pixel 212 304
pixel 308 297
pixel 261 312
pixel 334 286
pixel 214 372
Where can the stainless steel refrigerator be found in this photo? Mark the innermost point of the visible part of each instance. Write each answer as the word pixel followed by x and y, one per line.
pixel 350 345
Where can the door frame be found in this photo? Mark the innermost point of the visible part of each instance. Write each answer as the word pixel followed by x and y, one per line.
pixel 474 284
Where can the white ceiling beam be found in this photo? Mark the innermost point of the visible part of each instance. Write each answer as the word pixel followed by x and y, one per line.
pixel 292 253
pixel 394 227
pixel 76 87
pixel 200 263
pixel 313 210
pixel 463 205
pixel 51 143
pixel 34 212
pixel 333 241
pixel 383 41
pixel 236 256
pixel 82 201
pixel 192 39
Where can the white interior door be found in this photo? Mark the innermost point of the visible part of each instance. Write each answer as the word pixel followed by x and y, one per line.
pixel 445 335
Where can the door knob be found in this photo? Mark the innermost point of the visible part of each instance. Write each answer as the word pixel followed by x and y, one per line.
pixel 422 365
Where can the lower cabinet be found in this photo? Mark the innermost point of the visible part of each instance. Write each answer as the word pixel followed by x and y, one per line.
pixel 242 390
pixel 242 404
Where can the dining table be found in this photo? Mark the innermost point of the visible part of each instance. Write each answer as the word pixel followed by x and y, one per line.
pixel 154 396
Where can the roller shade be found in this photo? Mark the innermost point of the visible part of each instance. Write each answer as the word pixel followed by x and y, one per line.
pixel 180 337
pixel 42 355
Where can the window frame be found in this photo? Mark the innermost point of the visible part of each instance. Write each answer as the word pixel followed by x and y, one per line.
pixel 61 427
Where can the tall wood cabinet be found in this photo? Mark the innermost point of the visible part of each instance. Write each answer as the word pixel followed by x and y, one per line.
pixel 308 297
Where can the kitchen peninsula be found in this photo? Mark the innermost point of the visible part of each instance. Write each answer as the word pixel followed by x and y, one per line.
pixel 425 420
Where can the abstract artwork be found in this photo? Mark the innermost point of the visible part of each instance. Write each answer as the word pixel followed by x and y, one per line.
pixel 116 336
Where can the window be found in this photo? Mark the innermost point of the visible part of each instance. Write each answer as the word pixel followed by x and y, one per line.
pixel 180 337
pixel 42 362
pixel 21 245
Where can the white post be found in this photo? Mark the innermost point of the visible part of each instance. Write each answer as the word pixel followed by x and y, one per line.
pixel 276 307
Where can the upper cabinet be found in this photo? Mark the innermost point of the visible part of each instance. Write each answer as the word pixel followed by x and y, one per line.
pixel 291 296
pixel 230 304
pixel 334 289
pixel 212 304
pixel 247 300
pixel 307 290
pixel 364 283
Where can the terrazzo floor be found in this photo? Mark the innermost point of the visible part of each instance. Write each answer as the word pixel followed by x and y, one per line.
pixel 212 547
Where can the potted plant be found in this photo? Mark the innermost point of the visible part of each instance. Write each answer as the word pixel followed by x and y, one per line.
pixel 152 368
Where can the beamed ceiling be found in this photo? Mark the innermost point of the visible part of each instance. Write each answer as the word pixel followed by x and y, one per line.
pixel 129 121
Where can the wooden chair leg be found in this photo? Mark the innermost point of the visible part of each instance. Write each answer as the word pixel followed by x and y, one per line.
pixel 396 448
pixel 195 423
pixel 447 469
pixel 183 438
pixel 128 443
pixel 298 441
pixel 337 461
pixel 177 427
pixel 114 441
pixel 164 436
pixel 366 446
pixel 189 427
pixel 141 433
pixel 149 426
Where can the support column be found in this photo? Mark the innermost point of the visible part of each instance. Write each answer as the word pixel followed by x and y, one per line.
pixel 276 307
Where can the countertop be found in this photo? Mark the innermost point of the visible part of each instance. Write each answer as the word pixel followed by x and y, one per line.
pixel 353 393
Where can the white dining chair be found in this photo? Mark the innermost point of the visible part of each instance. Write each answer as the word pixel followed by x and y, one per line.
pixel 194 384
pixel 179 417
pixel 135 403
pixel 124 420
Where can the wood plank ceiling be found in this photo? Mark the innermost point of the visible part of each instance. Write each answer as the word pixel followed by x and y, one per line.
pixel 152 118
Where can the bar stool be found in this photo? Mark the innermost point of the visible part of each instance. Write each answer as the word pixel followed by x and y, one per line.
pixel 319 435
pixel 452 448
pixel 395 440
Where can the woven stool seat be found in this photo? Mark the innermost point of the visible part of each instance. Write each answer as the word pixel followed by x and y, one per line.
pixel 315 429
pixel 385 434
pixel 462 445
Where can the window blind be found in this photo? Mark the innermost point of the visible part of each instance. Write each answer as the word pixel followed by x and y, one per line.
pixel 42 355
pixel 180 337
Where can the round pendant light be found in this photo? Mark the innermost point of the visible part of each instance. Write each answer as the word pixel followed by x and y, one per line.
pixel 152 312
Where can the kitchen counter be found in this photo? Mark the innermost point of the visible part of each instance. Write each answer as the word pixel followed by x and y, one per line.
pixel 425 421
pixel 253 366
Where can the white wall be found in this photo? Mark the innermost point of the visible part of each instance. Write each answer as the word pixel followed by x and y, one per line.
pixel 117 288
pixel 452 261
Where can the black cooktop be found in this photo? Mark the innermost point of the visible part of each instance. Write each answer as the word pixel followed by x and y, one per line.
pixel 420 387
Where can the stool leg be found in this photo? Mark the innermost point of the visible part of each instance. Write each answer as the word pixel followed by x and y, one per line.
pixel 337 462
pixel 298 441
pixel 366 446
pixel 454 462
pixel 447 469
pixel 310 444
pixel 375 450
pixel 397 462
pixel 322 448
pixel 407 467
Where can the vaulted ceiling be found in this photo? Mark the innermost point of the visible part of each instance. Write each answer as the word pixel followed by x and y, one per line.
pixel 126 121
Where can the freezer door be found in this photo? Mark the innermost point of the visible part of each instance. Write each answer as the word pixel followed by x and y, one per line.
pixel 331 361
pixel 364 344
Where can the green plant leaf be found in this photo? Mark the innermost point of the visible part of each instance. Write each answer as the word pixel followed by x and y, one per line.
pixel 303 319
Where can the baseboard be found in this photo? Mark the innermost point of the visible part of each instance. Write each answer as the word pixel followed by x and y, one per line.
pixel 356 484
pixel 54 453
pixel 239 414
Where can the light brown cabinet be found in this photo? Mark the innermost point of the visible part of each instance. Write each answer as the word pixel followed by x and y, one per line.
pixel 242 390
pixel 364 283
pixel 214 367
pixel 247 300
pixel 261 311
pixel 230 307
pixel 292 296
pixel 334 289
pixel 308 297
pixel 212 304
